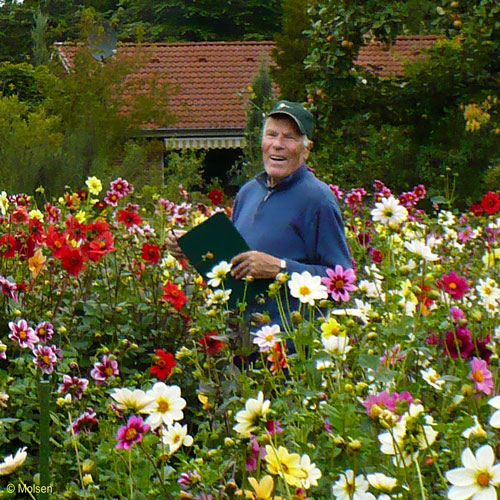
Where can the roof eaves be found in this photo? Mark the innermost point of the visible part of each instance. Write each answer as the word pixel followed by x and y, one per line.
pixel 182 133
pixel 64 60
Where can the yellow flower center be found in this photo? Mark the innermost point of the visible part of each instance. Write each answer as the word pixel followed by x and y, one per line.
pixel 483 479
pixel 108 371
pixel 304 290
pixel 46 359
pixel 163 405
pixel 339 284
pixel 176 439
pixel 22 334
pixel 478 376
pixel 131 434
pixel 41 332
pixel 452 285
pixel 269 337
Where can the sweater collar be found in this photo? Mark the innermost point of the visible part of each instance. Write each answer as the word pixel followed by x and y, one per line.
pixel 286 182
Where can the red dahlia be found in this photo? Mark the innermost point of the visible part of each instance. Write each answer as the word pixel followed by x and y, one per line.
pixel 491 202
pixel 174 295
pixel 151 253
pixel 216 196
pixel 164 363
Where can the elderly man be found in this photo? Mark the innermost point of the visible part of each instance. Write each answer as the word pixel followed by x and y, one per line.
pixel 287 216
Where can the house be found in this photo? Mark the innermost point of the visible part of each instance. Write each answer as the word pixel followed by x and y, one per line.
pixel 213 80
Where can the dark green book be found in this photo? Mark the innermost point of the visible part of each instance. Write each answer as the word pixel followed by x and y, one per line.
pixel 213 241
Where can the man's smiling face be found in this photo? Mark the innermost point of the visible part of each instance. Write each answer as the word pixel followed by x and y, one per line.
pixel 283 150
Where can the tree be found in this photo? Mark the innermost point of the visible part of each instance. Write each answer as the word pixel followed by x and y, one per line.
pixel 413 128
pixel 292 47
pixel 30 142
pixel 39 35
pixel 258 105
pixel 197 20
pixel 16 21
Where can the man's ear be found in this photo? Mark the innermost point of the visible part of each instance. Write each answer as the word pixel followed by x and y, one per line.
pixel 307 151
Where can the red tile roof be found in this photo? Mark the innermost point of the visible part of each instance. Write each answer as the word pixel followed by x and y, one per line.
pixel 387 61
pixel 212 77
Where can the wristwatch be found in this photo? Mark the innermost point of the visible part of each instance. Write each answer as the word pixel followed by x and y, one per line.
pixel 282 265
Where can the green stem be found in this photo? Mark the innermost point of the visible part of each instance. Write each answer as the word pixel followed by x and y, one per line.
pixel 423 491
pixel 77 453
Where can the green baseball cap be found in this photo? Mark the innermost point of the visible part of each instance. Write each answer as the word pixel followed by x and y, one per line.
pixel 300 115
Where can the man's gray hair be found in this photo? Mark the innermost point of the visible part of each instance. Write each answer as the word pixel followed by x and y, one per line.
pixel 306 142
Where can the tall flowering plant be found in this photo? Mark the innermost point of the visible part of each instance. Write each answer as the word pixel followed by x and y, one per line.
pixel 381 383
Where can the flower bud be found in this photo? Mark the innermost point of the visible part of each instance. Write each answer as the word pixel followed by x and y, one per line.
pixel 339 441
pixel 87 466
pixel 361 387
pixel 468 390
pixel 476 314
pixel 87 479
pixel 296 318
pixel 354 446
pixel 387 419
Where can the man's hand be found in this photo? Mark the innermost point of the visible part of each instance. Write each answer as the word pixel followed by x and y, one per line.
pixel 256 264
pixel 171 242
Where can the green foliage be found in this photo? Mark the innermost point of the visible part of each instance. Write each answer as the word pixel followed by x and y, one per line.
pixel 68 134
pixel 15 32
pixel 198 20
pixel 414 127
pixel 182 168
pixel 29 84
pixel 292 47
pixel 30 143
pixel 39 35
pixel 259 104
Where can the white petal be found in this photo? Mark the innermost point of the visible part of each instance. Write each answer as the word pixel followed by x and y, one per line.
pixel 485 456
pixel 495 419
pixel 461 477
pixel 468 459
pixel 495 474
pixel 486 494
pixel 462 493
pixel 495 402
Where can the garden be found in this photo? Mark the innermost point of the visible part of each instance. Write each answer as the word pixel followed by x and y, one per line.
pixel 125 374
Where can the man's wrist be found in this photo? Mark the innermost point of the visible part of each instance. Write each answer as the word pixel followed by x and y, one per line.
pixel 283 266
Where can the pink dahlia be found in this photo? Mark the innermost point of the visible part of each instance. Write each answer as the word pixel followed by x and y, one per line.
pixel 104 369
pixel 46 357
pixel 23 334
pixel 339 283
pixel 86 422
pixel 453 284
pixel 482 377
pixel 74 385
pixel 131 433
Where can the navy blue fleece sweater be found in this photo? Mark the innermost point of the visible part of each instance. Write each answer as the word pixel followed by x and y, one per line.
pixel 297 220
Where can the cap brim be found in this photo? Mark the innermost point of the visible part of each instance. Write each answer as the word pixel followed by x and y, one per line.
pixel 301 127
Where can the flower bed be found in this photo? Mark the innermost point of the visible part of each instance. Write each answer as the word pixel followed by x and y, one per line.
pixel 382 385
